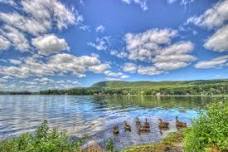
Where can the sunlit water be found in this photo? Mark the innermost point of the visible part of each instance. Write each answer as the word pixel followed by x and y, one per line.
pixel 95 116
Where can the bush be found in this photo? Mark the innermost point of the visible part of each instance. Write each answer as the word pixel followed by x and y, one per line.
pixel 209 131
pixel 43 140
pixel 109 145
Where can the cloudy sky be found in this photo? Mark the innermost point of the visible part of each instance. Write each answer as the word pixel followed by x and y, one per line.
pixel 68 43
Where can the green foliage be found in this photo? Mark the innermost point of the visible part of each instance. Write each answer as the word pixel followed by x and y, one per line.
pixel 109 145
pixel 204 87
pixel 43 140
pixel 209 130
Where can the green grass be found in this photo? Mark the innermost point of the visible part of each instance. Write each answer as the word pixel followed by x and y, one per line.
pixel 171 143
pixel 43 140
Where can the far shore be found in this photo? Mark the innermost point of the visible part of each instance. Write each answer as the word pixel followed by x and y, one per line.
pixel 107 95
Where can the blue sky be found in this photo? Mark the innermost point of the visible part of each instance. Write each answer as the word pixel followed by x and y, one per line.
pixel 61 44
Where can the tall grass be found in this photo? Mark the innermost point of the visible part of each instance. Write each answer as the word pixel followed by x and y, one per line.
pixel 43 140
pixel 210 131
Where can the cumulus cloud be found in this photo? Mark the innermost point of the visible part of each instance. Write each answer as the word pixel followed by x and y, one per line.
pixel 9 2
pixel 4 43
pixel 143 46
pixel 148 70
pixel 115 75
pixel 16 38
pixel 213 17
pixel 15 61
pixel 49 44
pixel 119 54
pixel 154 47
pixel 59 64
pixel 213 63
pixel 100 43
pixel 100 28
pixel 52 11
pixel 141 3
pixel 219 40
pixel 33 19
pixel 130 67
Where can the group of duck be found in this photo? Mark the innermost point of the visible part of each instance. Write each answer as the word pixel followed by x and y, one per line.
pixel 145 127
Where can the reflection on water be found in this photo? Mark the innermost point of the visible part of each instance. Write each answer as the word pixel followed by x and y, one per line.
pixel 95 116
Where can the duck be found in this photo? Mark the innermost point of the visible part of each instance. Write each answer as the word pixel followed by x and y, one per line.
pixel 145 128
pixel 115 130
pixel 146 124
pixel 163 124
pixel 137 121
pixel 127 127
pixel 180 124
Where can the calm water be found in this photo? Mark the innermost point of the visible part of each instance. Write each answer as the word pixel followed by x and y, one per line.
pixel 95 116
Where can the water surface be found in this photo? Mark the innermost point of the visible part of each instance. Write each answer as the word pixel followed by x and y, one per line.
pixel 95 116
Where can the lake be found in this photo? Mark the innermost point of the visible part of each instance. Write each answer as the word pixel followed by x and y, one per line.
pixel 95 116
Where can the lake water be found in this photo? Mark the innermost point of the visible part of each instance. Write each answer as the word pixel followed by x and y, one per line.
pixel 95 116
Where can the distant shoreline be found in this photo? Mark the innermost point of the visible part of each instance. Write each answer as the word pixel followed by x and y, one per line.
pixel 226 95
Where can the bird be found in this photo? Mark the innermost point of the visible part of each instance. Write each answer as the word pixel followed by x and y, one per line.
pixel 127 127
pixel 137 121
pixel 180 124
pixel 145 128
pixel 163 124
pixel 115 130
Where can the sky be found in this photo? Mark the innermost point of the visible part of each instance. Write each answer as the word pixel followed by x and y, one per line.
pixel 69 43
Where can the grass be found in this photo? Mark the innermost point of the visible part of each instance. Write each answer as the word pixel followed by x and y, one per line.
pixel 43 140
pixel 173 142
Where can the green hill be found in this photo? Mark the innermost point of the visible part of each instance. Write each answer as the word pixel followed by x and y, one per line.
pixel 198 87
pixel 157 85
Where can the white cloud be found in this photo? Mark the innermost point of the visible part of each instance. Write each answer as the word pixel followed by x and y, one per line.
pixel 115 75
pixel 213 63
pixel 34 18
pixel 101 43
pixel 182 2
pixel 141 3
pixel 143 46
pixel 99 68
pixel 9 2
pixel 49 44
pixel 15 62
pixel 130 67
pixel 59 64
pixel 4 43
pixel 154 47
pixel 16 38
pixel 50 10
pixel 219 40
pixel 100 28
pixel 25 24
pixel 119 54
pixel 213 17
pixel 148 70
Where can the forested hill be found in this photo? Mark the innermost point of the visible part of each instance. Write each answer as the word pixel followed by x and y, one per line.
pixel 159 84
pixel 197 87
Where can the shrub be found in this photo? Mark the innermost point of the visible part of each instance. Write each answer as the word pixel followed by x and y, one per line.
pixel 43 140
pixel 209 131
pixel 109 145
